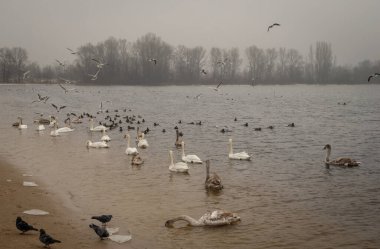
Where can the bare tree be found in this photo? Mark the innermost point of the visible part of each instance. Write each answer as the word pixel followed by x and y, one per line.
pixel 323 61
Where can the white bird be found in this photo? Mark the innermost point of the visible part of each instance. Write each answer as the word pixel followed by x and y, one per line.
pixel 347 162
pixel 189 158
pixel 105 137
pixel 25 75
pixel 153 60
pixel 94 76
pixel 40 127
pixel 237 156
pixel 214 218
pixel 97 145
pixel 97 128
pixel 64 129
pixel 54 132
pixel 130 150
pixel 143 144
pixel 99 64
pixel 21 126
pixel 373 76
pixel 178 167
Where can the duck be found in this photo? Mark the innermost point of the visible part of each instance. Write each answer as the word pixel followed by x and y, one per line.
pixel 189 158
pixel 177 167
pixel 210 218
pixel 21 126
pixel 97 145
pixel 178 141
pixel 345 162
pixel 105 137
pixel 130 150
pixel 213 182
pixel 97 128
pixel 237 156
pixel 143 144
pixel 137 160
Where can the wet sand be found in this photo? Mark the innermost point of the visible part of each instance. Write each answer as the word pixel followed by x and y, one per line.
pixel 61 223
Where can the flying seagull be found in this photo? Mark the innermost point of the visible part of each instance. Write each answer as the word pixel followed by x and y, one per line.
pixel 60 63
pixel 203 71
pixel 25 75
pixel 103 218
pixel 40 98
pixel 23 226
pixel 274 24
pixel 99 64
pixel 72 51
pixel 373 76
pixel 153 60
pixel 100 231
pixel 46 239
pixel 217 87
pixel 58 109
pixel 66 89
pixel 94 76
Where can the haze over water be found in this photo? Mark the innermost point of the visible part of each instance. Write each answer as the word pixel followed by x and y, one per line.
pixel 285 196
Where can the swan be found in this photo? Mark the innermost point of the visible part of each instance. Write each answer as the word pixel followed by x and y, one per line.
pixel 96 144
pixel 214 218
pixel 139 134
pixel 348 162
pixel 189 158
pixel 212 182
pixel 137 160
pixel 97 128
pixel 21 126
pixel 105 137
pixel 130 150
pixel 178 167
pixel 178 141
pixel 40 127
pixel 143 144
pixel 54 132
pixel 238 156
pixel 64 129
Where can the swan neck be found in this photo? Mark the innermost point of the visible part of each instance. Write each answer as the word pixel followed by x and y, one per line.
pixel 92 124
pixel 171 159
pixel 207 170
pixel 128 144
pixel 183 150
pixel 190 220
pixel 328 153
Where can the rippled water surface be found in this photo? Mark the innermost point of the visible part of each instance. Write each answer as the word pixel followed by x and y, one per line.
pixel 285 196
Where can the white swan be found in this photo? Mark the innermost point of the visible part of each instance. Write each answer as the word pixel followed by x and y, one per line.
pixel 143 144
pixel 54 132
pixel 64 129
pixel 21 126
pixel 214 218
pixel 40 127
pixel 97 128
pixel 178 167
pixel 130 150
pixel 189 158
pixel 237 156
pixel 105 137
pixel 347 162
pixel 96 144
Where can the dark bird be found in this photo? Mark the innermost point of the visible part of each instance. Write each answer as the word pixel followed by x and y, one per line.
pixel 46 239
pixel 153 60
pixel 163 130
pixel 274 24
pixel 100 231
pixel 23 226
pixel 40 98
pixel 104 219
pixel 58 109
pixel 72 51
pixel 258 129
pixel 235 119
pixel 291 125
pixel 246 124
pixel 203 71
pixel 217 87
pixel 373 76
pixel 60 63
pixel 270 127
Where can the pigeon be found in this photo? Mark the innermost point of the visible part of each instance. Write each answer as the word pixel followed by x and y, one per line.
pixel 23 226
pixel 100 231
pixel 103 218
pixel 46 239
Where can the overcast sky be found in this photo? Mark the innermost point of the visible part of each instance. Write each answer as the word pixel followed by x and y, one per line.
pixel 46 27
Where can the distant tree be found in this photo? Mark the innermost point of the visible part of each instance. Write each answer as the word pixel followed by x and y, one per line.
pixel 257 62
pixel 271 56
pixel 20 56
pixel 323 61
pixel 295 66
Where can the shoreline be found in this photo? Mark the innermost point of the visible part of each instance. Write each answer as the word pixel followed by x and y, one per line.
pixel 60 223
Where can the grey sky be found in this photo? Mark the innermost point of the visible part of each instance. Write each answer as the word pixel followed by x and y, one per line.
pixel 46 27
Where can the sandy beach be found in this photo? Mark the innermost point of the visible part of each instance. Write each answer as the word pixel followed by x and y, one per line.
pixel 61 224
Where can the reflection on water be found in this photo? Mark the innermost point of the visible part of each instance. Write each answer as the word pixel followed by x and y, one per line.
pixel 285 195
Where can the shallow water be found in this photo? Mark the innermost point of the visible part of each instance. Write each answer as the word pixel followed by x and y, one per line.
pixel 285 196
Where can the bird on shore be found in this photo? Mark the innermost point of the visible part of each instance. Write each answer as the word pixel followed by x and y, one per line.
pixel 104 219
pixel 153 60
pixel 72 51
pixel 23 226
pixel 46 239
pixel 100 231
pixel 373 76
pixel 273 25
pixel 58 108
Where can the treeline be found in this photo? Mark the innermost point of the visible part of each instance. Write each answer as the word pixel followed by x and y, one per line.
pixel 128 63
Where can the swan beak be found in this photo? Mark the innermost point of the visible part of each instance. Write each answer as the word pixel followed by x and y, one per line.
pixel 169 224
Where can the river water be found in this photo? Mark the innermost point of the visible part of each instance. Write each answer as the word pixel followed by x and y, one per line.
pixel 285 195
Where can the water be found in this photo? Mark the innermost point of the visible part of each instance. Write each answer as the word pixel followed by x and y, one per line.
pixel 285 196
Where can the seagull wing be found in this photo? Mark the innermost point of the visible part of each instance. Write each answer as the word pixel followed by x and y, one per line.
pixel 62 87
pixel 219 85
pixel 377 74
pixel 61 107
pixel 55 106
pixel 70 50
pixel 370 77
pixel 96 60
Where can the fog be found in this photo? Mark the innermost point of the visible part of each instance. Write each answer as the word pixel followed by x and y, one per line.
pixel 45 28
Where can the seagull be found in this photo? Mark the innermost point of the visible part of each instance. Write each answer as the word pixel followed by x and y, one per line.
pixel 103 218
pixel 100 64
pixel 154 60
pixel 66 81
pixel 72 51
pixel 203 71
pixel 373 76
pixel 94 76
pixel 274 24
pixel 100 231
pixel 40 98
pixel 66 89
pixel 60 63
pixel 46 239
pixel 25 75
pixel 198 96
pixel 23 226
pixel 58 109
pixel 217 87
